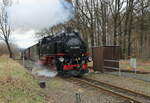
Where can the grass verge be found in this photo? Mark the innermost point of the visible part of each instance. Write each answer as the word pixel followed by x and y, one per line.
pixel 16 84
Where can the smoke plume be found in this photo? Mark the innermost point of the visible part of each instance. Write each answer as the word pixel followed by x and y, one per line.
pixel 40 70
pixel 39 14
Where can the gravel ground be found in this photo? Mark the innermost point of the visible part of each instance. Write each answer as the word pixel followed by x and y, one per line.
pixel 61 91
pixel 121 81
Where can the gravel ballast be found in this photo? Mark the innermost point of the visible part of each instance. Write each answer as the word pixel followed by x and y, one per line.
pixel 61 91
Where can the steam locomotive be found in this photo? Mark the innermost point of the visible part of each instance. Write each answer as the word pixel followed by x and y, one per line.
pixel 67 51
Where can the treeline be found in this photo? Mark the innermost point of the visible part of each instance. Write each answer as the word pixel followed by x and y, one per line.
pixel 113 22
pixel 4 50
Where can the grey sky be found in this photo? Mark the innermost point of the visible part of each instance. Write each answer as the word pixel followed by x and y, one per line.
pixel 26 17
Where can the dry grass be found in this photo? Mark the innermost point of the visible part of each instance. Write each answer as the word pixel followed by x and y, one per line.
pixel 17 85
pixel 142 65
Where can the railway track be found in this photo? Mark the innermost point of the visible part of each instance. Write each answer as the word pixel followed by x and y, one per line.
pixel 133 96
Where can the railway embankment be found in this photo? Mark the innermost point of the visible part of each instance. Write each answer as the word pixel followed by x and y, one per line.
pixel 17 85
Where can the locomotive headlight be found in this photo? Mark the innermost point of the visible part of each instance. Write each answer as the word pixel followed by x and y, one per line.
pixel 89 59
pixel 61 59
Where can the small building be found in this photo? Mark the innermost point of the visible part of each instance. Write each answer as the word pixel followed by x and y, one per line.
pixel 106 57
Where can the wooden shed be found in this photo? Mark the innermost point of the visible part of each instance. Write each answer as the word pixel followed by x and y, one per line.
pixel 106 57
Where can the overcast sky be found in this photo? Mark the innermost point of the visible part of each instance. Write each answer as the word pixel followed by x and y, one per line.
pixel 26 17
pixel 24 39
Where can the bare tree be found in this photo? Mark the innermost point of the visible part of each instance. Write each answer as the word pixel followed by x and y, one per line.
pixel 142 10
pixel 130 8
pixel 5 29
pixel 113 22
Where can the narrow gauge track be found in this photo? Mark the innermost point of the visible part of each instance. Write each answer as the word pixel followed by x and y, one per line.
pixel 115 90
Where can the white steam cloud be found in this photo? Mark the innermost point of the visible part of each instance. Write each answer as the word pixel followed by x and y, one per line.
pixel 40 70
pixel 39 14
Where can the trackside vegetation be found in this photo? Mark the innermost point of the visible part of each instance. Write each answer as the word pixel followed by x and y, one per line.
pixel 16 84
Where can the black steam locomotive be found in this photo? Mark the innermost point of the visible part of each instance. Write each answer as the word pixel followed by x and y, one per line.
pixel 67 51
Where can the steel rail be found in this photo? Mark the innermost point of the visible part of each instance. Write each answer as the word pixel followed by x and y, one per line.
pixel 122 92
pixel 114 86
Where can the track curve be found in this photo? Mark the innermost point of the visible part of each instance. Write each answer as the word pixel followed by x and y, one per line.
pixel 115 90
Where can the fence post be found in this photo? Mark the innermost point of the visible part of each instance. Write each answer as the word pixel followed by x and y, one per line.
pixel 78 98
pixel 133 64
pixel 119 71
pixel 23 59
